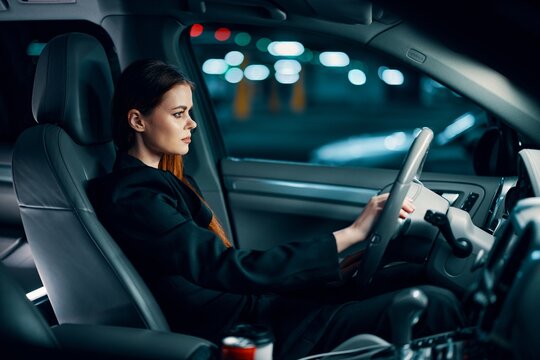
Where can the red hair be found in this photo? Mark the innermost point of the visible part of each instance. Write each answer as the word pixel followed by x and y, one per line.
pixel 175 164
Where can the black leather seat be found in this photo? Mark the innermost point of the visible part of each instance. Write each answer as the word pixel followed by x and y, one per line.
pixel 14 250
pixel 87 277
pixel 24 334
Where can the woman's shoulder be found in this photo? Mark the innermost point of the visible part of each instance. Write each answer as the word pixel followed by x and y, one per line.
pixel 132 178
pixel 125 181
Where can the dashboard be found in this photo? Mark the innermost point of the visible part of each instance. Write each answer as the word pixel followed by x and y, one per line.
pixel 508 291
pixel 528 183
pixel 457 273
pixel 513 189
pixel 508 287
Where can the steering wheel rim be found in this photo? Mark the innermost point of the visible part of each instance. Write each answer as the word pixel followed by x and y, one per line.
pixel 387 225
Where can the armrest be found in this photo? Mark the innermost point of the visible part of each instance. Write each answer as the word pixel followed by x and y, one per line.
pixel 97 341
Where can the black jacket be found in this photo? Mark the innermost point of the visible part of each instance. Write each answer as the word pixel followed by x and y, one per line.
pixel 203 287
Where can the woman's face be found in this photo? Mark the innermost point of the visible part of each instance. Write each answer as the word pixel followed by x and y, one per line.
pixel 168 127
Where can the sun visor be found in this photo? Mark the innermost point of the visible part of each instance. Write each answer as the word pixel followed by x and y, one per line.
pixel 344 11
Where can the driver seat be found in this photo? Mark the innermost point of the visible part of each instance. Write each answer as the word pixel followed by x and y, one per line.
pixel 88 278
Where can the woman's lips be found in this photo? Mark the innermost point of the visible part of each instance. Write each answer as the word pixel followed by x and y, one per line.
pixel 187 140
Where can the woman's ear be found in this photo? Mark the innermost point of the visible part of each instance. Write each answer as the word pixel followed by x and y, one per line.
pixel 135 120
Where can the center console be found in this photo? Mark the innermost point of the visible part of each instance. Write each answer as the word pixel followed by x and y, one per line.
pixel 502 305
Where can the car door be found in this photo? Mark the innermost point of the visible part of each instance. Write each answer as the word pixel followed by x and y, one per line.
pixel 312 133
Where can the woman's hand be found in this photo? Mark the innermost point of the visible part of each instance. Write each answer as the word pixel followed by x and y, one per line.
pixel 349 264
pixel 361 227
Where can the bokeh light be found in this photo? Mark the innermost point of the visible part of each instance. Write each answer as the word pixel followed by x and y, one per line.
pixel 234 75
pixel 196 30
pixel 222 34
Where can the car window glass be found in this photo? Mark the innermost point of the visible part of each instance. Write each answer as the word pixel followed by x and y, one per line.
pixel 307 98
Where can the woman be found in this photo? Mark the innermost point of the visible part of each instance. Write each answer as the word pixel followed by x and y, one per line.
pixel 203 284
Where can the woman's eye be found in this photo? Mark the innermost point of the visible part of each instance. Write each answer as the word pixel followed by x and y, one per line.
pixel 178 114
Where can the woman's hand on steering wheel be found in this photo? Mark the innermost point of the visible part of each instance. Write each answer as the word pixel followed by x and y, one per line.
pixel 361 227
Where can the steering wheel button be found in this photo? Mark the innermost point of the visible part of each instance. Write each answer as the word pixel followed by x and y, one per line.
pixel 375 238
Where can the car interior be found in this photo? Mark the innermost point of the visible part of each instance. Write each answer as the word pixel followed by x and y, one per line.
pixel 67 289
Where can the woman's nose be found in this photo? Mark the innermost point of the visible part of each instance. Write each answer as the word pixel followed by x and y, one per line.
pixel 191 124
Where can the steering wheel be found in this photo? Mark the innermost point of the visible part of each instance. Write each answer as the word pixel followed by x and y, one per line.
pixel 387 225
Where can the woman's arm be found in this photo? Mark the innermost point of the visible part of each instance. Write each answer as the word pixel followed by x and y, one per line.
pixel 360 228
pixel 159 236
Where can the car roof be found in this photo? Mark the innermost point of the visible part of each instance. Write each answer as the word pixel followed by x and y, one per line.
pixel 482 28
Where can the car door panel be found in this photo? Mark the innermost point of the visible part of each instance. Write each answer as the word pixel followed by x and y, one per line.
pixel 271 202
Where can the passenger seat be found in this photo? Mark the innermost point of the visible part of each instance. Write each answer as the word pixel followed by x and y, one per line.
pixel 24 334
pixel 15 253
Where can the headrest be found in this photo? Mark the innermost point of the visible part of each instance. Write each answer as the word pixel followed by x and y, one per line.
pixel 73 88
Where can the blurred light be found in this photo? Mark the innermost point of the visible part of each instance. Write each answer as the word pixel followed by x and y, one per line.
pixel 287 67
pixel 392 77
pixel 334 59
pixel 222 34
pixel 242 39
pixel 196 30
pixel 35 48
pixel 456 128
pixel 357 77
pixel 429 85
pixel 262 44
pixel 364 147
pixel 535 255
pixel 287 78
pixel 436 84
pixel 395 141
pixel 36 294
pixel 256 72
pixel 234 75
pixel 380 71
pixel 215 66
pixel 285 48
pixel 234 58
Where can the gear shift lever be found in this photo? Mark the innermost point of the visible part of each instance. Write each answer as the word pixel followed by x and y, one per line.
pixel 404 312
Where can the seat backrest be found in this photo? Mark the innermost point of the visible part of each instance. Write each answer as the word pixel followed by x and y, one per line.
pixel 87 277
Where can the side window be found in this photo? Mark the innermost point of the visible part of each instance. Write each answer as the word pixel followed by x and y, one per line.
pixel 292 97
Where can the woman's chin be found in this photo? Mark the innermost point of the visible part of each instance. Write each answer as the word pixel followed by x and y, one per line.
pixel 182 151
